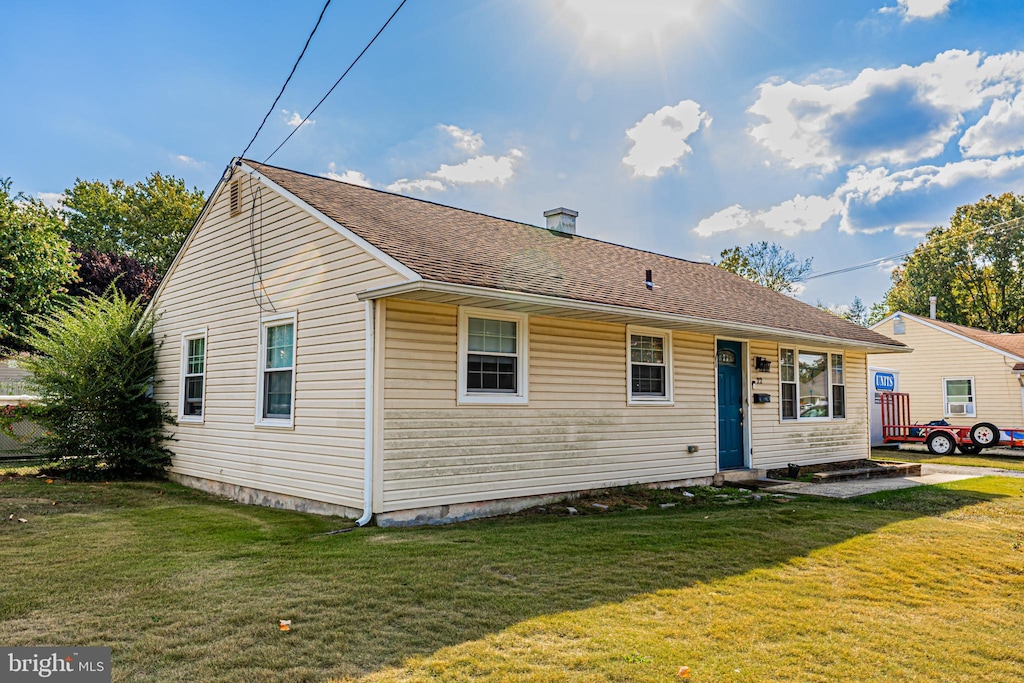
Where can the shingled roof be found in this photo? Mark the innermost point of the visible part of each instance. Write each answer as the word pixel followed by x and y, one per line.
pixel 450 245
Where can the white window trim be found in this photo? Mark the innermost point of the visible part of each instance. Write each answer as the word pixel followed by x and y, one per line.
pixel 522 395
pixel 185 338
pixel 669 398
pixel 261 359
pixel 974 398
pixel 828 379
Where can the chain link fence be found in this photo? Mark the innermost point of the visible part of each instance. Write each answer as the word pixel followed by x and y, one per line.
pixel 22 441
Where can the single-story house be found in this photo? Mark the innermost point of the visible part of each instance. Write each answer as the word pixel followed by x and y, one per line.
pixel 344 350
pixel 963 375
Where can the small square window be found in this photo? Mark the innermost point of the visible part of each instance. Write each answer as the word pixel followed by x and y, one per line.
pixel 649 366
pixel 492 356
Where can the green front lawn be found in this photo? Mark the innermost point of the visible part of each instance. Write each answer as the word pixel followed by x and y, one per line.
pixel 983 459
pixel 921 584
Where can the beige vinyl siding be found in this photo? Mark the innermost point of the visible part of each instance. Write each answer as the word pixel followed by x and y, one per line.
pixel 938 354
pixel 576 433
pixel 776 442
pixel 310 269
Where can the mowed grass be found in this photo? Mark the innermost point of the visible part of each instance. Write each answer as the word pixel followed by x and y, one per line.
pixel 921 584
pixel 983 459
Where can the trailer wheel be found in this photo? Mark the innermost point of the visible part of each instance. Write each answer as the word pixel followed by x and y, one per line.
pixel 985 435
pixel 941 443
pixel 970 448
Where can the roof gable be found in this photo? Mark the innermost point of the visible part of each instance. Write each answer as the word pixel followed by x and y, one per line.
pixel 446 244
pixel 1011 345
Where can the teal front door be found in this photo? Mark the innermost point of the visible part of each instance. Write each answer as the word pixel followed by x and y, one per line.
pixel 730 404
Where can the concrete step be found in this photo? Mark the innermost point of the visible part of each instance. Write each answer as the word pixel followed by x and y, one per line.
pixel 734 476
pixel 909 469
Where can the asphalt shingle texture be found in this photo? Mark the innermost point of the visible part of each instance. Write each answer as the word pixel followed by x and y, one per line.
pixel 456 246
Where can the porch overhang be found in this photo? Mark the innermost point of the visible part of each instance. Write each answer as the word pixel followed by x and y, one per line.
pixel 433 291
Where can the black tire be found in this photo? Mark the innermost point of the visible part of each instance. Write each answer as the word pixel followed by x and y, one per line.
pixel 941 443
pixel 985 435
pixel 970 448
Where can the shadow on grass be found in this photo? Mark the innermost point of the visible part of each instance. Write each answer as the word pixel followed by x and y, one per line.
pixel 185 587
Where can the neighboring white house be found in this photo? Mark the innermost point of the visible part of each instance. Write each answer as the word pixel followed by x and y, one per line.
pixel 339 349
pixel 961 374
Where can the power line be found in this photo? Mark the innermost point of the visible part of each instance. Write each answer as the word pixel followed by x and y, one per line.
pixel 936 242
pixel 286 81
pixel 354 61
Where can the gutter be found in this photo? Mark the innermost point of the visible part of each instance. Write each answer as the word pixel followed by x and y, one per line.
pixel 770 333
pixel 368 404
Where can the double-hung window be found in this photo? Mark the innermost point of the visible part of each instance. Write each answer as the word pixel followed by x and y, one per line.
pixel 838 387
pixel 649 356
pixel 958 396
pixel 813 384
pixel 492 356
pixel 193 376
pixel 275 405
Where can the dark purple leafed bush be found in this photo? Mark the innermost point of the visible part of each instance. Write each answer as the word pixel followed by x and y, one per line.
pixel 98 270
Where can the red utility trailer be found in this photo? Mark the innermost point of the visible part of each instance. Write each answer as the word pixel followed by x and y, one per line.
pixel 940 439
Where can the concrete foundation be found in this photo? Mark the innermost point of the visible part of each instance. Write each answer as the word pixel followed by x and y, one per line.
pixel 446 514
pixel 251 496
pixel 440 514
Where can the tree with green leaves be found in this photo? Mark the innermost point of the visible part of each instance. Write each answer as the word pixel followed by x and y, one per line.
pixel 93 372
pixel 974 266
pixel 36 262
pixel 767 264
pixel 147 221
pixel 856 312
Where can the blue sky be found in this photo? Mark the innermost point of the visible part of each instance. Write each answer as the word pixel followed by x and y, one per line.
pixel 841 130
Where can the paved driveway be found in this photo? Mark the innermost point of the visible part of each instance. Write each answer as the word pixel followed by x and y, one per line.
pixel 930 474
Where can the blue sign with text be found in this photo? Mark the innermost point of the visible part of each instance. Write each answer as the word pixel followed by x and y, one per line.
pixel 885 381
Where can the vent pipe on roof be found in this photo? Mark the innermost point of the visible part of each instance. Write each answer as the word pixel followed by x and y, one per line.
pixel 931 306
pixel 561 220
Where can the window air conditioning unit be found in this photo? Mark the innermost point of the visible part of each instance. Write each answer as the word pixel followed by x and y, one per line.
pixel 960 408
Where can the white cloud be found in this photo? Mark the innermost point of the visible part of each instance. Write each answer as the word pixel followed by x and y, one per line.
pixel 346 176
pixel 733 217
pixel 999 131
pixel 864 188
pixel 465 140
pixel 404 186
pixel 54 200
pixel 659 139
pixel 188 161
pixel 918 9
pixel 294 118
pixel 482 169
pixel 478 168
pixel 898 116
pixel 791 217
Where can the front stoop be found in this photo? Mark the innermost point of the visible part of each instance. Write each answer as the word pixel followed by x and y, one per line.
pixel 738 476
pixel 908 469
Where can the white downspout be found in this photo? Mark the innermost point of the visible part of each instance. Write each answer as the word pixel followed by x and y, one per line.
pixel 368 420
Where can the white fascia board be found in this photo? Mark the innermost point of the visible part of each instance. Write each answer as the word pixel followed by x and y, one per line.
pixel 575 304
pixel 370 249
pixel 938 328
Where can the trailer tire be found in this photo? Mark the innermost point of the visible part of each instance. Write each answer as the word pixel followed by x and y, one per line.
pixel 970 448
pixel 941 443
pixel 985 435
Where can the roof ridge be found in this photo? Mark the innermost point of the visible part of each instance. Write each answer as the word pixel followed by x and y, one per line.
pixel 256 164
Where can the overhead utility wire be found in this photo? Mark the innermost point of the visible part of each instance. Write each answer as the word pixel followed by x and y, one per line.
pixel 354 61
pixel 938 241
pixel 292 73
